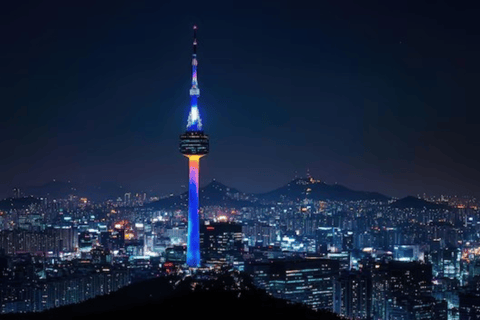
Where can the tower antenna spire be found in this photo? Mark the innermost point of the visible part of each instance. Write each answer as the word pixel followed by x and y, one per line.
pixel 194 90
pixel 194 119
pixel 195 39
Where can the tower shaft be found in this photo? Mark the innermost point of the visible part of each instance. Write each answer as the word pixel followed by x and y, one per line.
pixel 193 236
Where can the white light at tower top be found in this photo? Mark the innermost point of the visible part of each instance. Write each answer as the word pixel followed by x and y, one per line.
pixel 194 120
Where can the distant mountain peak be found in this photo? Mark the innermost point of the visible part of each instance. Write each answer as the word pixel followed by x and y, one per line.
pixel 214 193
pixel 306 180
pixel 215 183
pixel 309 187
pixel 416 203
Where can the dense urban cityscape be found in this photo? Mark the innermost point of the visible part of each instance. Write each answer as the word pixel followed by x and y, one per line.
pixel 361 255
pixel 376 96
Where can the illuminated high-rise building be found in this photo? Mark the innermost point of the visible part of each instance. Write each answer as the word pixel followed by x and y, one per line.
pixel 194 145
pixel 222 243
pixel 309 281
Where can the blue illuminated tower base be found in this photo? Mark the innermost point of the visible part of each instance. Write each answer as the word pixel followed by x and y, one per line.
pixel 193 236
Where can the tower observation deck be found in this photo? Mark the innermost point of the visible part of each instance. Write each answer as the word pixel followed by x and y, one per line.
pixel 194 144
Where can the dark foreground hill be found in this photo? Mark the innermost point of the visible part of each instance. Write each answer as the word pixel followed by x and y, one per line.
pixel 161 298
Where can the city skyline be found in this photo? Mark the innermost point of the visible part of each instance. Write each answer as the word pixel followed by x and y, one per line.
pixel 356 95
pixel 342 180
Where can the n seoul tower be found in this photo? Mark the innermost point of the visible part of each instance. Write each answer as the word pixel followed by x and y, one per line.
pixel 194 145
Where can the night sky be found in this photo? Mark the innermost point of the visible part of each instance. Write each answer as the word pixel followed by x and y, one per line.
pixel 378 96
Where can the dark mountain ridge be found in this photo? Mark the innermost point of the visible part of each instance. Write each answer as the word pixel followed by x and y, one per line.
pixel 213 194
pixel 411 202
pixel 216 193
pixel 61 190
pixel 302 188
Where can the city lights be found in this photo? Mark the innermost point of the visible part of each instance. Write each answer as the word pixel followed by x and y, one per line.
pixel 100 219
